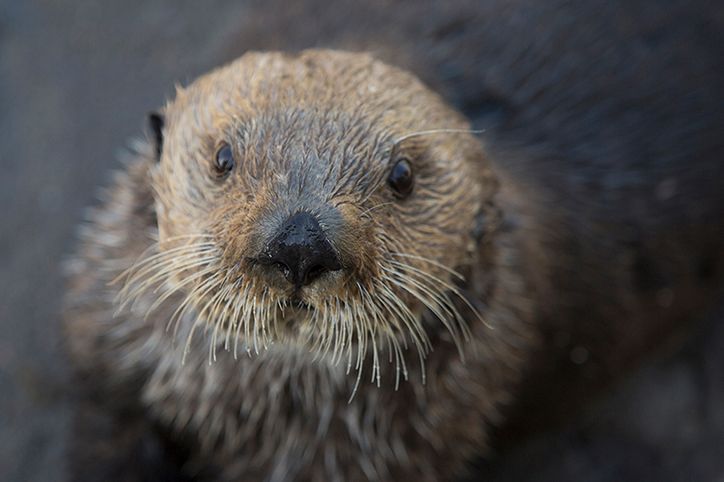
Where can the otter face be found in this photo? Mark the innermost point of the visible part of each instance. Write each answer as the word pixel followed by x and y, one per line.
pixel 319 202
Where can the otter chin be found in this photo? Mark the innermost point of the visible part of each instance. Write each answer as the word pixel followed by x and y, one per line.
pixel 297 277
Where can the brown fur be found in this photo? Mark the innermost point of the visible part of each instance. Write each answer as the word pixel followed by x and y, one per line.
pixel 392 368
pixel 610 112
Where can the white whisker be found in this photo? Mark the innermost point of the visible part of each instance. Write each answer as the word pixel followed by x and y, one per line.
pixel 435 131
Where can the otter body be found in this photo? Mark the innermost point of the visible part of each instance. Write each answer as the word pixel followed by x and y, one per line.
pixel 312 272
pixel 306 283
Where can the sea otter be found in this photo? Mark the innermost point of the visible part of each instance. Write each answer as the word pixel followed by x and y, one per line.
pixel 601 221
pixel 304 275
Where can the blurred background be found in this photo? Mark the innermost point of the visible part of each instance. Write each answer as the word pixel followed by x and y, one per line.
pixel 77 79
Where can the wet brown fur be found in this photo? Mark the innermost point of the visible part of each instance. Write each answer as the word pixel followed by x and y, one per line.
pixel 391 369
pixel 604 124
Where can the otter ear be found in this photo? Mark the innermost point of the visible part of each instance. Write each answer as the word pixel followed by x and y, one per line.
pixel 487 222
pixel 155 122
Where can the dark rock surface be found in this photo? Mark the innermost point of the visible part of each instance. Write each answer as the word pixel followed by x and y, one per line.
pixel 76 81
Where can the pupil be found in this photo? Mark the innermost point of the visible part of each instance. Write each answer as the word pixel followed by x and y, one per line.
pixel 224 159
pixel 401 177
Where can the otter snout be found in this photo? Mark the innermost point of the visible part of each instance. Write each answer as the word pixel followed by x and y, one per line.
pixel 300 250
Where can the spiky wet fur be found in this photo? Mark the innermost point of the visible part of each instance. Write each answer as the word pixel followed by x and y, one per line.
pixel 391 369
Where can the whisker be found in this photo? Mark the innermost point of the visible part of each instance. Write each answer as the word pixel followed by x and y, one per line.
pixel 460 295
pixel 432 262
pixel 438 307
pixel 143 260
pixel 212 283
pixel 135 294
pixel 450 288
pixel 362 214
pixel 435 131
pixel 186 303
pixel 170 258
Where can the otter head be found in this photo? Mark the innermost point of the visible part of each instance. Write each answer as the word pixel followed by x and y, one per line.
pixel 318 202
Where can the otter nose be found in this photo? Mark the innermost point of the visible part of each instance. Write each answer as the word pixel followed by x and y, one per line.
pixel 300 250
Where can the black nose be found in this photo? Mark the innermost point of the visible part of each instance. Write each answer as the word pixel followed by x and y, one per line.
pixel 301 250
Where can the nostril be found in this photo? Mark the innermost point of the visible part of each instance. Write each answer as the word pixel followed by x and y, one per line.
pixel 314 272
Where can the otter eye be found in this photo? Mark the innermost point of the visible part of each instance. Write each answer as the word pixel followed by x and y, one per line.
pixel 224 161
pixel 401 178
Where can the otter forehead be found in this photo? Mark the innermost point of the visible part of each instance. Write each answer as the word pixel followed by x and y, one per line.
pixel 318 80
pixel 305 103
